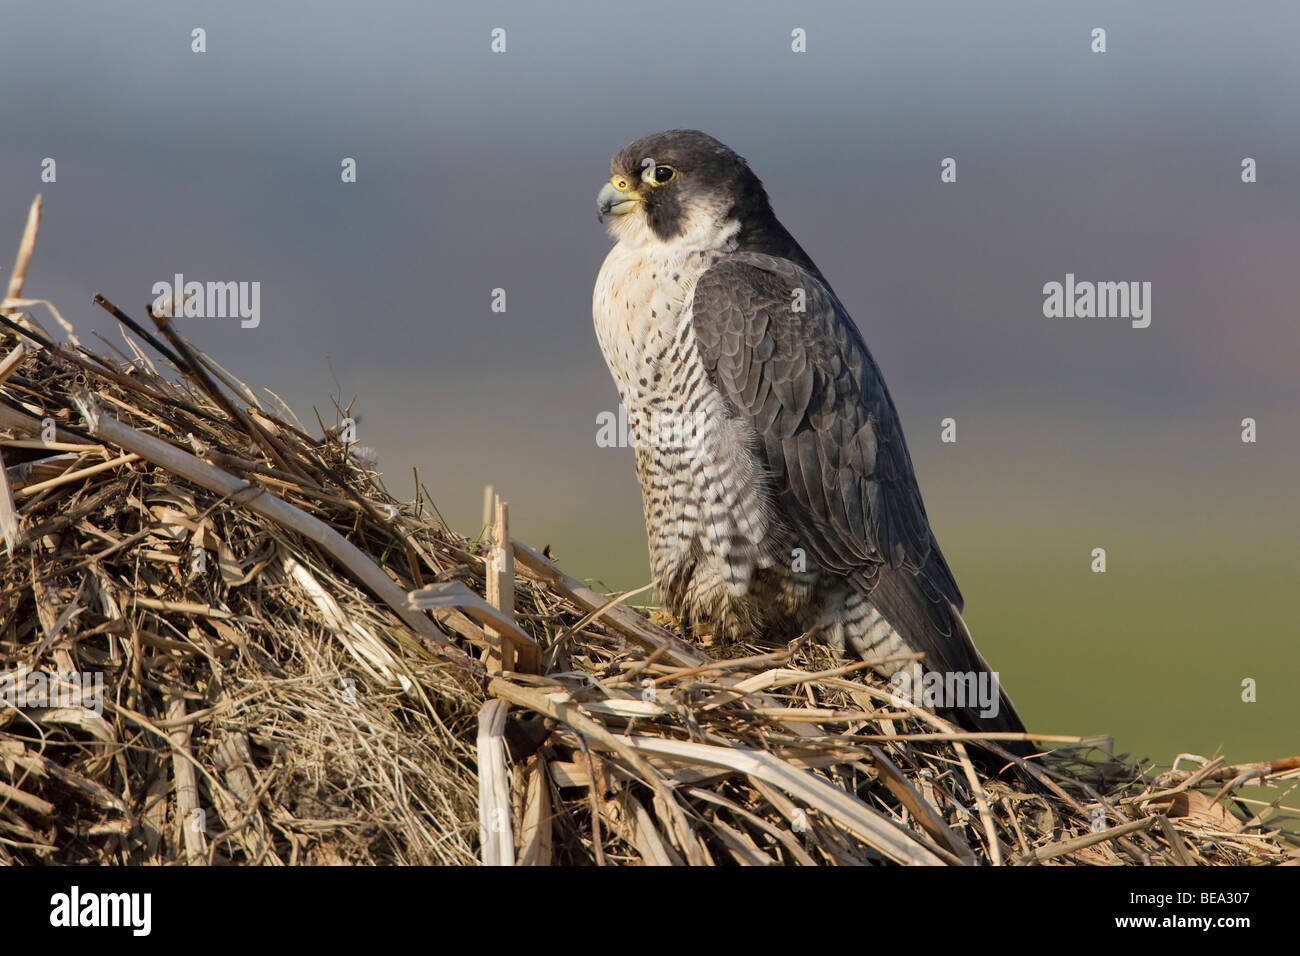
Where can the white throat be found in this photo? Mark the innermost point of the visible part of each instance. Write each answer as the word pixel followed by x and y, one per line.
pixel 644 287
pixel 705 228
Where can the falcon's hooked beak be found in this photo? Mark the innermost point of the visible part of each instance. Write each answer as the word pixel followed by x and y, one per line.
pixel 616 198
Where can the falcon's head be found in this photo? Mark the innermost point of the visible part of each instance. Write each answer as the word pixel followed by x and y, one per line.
pixel 684 188
pixel 680 186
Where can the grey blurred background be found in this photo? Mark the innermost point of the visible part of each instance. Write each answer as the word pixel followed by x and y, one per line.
pixel 479 170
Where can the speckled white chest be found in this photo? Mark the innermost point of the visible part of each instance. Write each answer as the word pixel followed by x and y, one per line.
pixel 643 288
pixel 706 506
pixel 639 306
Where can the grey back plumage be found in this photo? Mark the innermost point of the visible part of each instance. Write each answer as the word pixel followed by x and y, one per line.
pixel 831 439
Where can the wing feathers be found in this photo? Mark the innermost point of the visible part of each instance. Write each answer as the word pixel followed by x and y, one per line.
pixel 829 432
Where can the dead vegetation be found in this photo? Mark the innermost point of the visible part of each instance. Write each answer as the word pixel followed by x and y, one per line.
pixel 297 668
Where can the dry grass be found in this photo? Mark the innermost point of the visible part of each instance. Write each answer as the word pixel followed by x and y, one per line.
pixel 299 669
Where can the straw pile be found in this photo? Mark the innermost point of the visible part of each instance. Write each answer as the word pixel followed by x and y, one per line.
pixel 298 668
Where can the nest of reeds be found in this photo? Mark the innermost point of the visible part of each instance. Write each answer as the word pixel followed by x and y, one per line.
pixel 294 667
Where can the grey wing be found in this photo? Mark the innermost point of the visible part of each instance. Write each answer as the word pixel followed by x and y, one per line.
pixel 830 438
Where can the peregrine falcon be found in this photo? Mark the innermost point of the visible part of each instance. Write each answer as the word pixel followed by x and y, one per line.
pixel 779 494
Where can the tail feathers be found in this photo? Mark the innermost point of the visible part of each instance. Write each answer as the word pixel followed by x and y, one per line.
pixel 1006 720
pixel 913 608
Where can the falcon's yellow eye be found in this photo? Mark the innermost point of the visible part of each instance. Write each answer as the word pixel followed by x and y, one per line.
pixel 663 174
